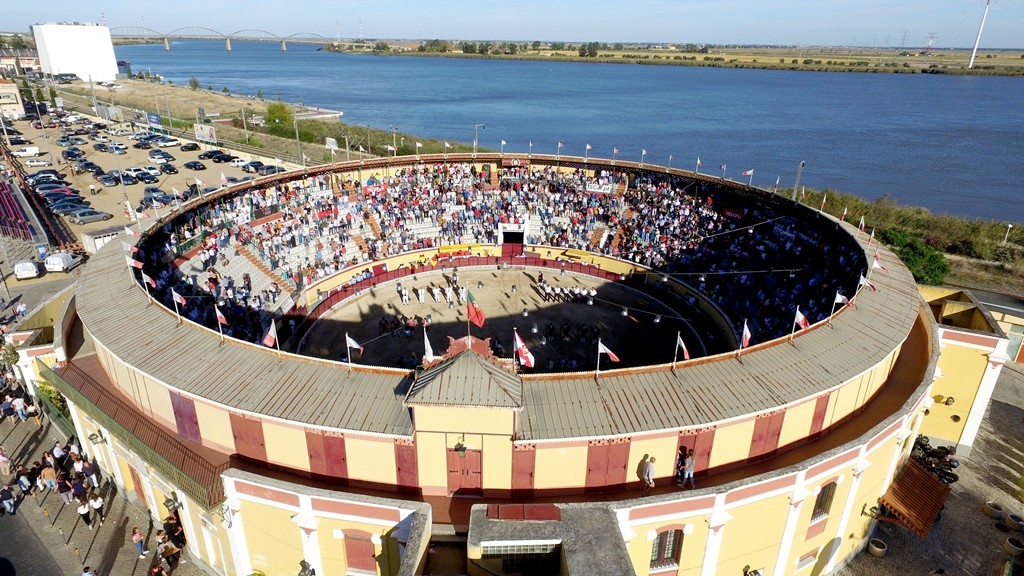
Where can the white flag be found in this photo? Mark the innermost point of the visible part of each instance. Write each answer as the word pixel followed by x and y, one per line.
pixel 352 343
pixel 680 344
pixel 428 352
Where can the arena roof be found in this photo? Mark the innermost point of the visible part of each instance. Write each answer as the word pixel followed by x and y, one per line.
pixel 250 378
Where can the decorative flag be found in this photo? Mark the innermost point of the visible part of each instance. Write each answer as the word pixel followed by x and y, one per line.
pixel 503 142
pixel 643 152
pixel 223 179
pixel 824 197
pixel 560 145
pixel 722 167
pixel 524 354
pixel 177 297
pixel 842 218
pixel 602 349
pixel 419 144
pixel 148 280
pixel 476 315
pixel 133 262
pixel 680 344
pixel 361 149
pixel 860 226
pixel 698 161
pixel 840 299
pixel 447 145
pixel 777 178
pixel 615 151
pixel 747 172
pixel 352 343
pixel 428 351
pixel 129 247
pixel 864 282
pixel 745 341
pixel 221 319
pixel 389 147
pixel 801 320
pixel 878 262
pixel 589 147
pixel 270 340
pixel 129 231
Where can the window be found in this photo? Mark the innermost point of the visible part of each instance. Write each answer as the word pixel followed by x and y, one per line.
pixel 823 502
pixel 666 547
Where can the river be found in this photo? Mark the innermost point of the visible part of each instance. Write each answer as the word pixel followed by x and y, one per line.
pixel 953 144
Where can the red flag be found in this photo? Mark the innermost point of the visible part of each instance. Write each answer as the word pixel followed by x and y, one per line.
pixel 589 147
pixel 602 349
pixel 524 354
pixel 177 297
pixel 843 217
pixel 270 340
pixel 476 315
pixel 747 172
pixel 680 344
pixel 745 341
pixel 878 262
pixel 861 225
pixel 840 299
pixel 133 262
pixel 148 280
pixel 615 151
pixel 864 282
pixel 128 230
pixel 220 315
pixel 801 320
pixel 129 247
pixel 823 198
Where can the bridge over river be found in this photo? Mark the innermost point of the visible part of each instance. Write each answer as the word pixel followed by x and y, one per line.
pixel 200 33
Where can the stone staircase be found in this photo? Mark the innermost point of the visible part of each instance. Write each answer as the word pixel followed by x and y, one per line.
pixel 596 237
pixel 259 265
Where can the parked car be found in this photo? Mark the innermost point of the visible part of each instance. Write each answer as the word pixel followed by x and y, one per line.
pixel 147 178
pixel 167 142
pixel 189 147
pixel 62 262
pixel 118 146
pixel 51 186
pixel 27 269
pixel 118 151
pixel 238 162
pixel 67 208
pixel 107 180
pixel 223 158
pixel 150 169
pixel 252 167
pixel 195 165
pixel 63 141
pixel 210 154
pixel 33 162
pixel 128 179
pixel 100 147
pixel 142 145
pixel 268 169
pixel 88 215
pixel 168 168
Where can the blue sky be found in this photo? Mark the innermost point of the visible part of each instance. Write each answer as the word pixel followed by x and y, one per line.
pixel 804 22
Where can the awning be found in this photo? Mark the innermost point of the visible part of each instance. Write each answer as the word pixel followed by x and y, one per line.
pixel 914 499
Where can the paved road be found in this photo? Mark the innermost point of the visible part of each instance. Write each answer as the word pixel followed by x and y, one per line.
pixel 21 552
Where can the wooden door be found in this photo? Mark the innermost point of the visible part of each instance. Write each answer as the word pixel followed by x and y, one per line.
pixel 140 493
pixel 334 455
pixel 524 463
pixel 185 417
pixel 248 435
pixel 405 463
pixel 465 472
pixel 702 445
pixel 606 466
pixel 597 466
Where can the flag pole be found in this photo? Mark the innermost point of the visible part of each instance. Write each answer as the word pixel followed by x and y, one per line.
pixel 792 329
pixel 176 313
pixel 834 302
pixel 597 370
pixel 348 353
pixel 219 327
pixel 751 180
pixel 146 286
pixel 675 349
pixel 515 351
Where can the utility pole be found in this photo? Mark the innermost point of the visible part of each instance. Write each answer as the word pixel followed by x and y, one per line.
pixel 930 44
pixel 978 39
pixel 903 42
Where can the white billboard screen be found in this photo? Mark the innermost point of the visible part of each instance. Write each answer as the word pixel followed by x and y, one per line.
pixel 84 50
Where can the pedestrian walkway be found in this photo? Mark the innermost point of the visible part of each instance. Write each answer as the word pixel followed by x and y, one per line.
pixel 45 537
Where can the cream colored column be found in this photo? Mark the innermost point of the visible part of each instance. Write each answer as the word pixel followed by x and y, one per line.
pixel 308 524
pixel 236 534
pixel 796 500
pixel 716 525
pixel 859 467
pixel 980 403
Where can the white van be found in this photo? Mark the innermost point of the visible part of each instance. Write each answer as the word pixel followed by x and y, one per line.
pixel 26 269
pixel 26 152
pixel 62 262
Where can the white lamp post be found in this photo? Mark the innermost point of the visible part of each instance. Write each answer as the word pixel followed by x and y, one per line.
pixel 1007 236
pixel 476 128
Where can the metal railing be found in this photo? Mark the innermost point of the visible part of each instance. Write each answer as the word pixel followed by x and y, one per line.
pixel 159 447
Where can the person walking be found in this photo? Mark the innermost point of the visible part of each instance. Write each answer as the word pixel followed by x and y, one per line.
pixel 140 542
pixel 7 499
pixel 83 511
pixel 649 475
pixel 5 463
pixel 96 503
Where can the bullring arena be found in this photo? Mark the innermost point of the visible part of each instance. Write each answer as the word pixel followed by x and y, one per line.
pixel 277 453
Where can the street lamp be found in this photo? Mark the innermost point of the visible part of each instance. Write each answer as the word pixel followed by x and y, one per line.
pixel 476 127
pixel 796 185
pixel 394 142
pixel 1007 236
pixel 298 145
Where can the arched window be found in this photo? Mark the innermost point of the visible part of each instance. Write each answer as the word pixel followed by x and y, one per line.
pixel 823 502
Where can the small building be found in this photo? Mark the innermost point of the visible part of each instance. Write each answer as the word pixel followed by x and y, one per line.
pixel 11 105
